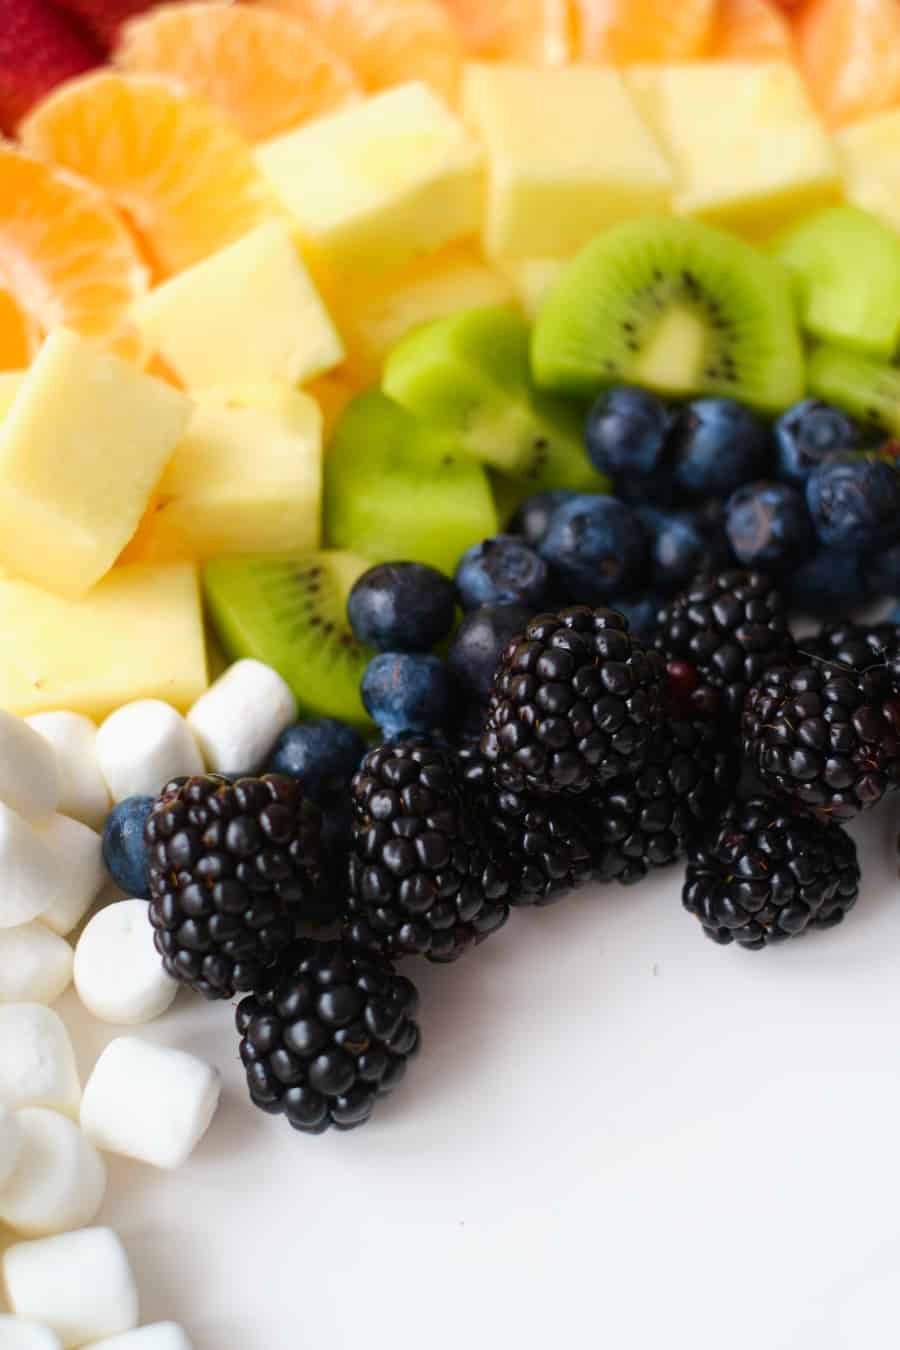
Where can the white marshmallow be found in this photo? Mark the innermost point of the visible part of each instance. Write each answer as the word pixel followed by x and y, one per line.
pixel 118 972
pixel 149 1102
pixel 35 965
pixel 79 852
pixel 37 1063
pixel 16 1334
pixel 240 717
pixel 12 1141
pixel 73 737
pixel 29 775
pixel 80 1284
pixel 59 1181
pixel 142 745
pixel 159 1336
pixel 31 877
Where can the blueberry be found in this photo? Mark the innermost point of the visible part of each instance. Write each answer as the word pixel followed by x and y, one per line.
pixel 325 754
pixel 478 645
pixel 598 548
pixel 882 571
pixel 408 692
pixel 642 613
pixel 124 850
pixel 682 544
pixel 719 445
pixel 401 606
pixel 807 434
pixel 854 502
pixel 768 526
pixel 533 516
pixel 828 583
pixel 502 571
pixel 626 432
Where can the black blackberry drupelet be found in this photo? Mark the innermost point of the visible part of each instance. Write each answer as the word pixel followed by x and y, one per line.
pixel 420 882
pixel 729 627
pixel 574 703
pixel 330 1032
pixel 824 736
pixel 852 645
pixel 765 874
pixel 232 867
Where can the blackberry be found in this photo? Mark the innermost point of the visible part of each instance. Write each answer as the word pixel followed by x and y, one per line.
pixel 852 646
pixel 574 704
pixel 763 875
pixel 825 736
pixel 232 867
pixel 419 881
pixel 731 627
pixel 328 1034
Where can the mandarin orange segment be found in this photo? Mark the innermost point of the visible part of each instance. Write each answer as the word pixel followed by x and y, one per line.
pixel 624 31
pixel 751 30
pixel 66 258
pixel 387 42
pixel 172 163
pixel 528 32
pixel 265 70
pixel 849 52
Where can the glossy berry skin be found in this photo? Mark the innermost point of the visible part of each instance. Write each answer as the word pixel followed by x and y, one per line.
pixel 323 754
pixel 502 571
pixel 327 1035
pixel 626 433
pixel 719 444
pixel 408 693
pixel 641 612
pixel 764 875
pixel 682 543
pixel 855 503
pixel 478 645
pixel 882 571
pixel 401 607
pixel 855 645
pixel 827 583
pixel 597 547
pixel 532 519
pixel 807 435
pixel 768 526
pixel 124 851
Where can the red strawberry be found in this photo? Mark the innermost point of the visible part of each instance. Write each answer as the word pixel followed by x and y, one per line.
pixel 39 48
pixel 105 17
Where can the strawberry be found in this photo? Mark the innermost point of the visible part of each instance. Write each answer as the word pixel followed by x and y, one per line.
pixel 104 18
pixel 39 48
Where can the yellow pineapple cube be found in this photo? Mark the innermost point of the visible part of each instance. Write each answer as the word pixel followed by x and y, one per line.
pixel 138 634
pixel 10 384
pixel 381 182
pixel 744 140
pixel 249 312
pixel 531 279
pixel 567 156
pixel 246 478
pixel 81 449
pixel 869 153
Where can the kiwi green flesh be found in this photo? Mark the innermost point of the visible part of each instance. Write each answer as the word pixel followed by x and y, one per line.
pixel 469 375
pixel 396 488
pixel 676 306
pixel 847 265
pixel 863 386
pixel 289 611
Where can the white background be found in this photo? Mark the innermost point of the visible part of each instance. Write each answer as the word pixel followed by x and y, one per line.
pixel 617 1135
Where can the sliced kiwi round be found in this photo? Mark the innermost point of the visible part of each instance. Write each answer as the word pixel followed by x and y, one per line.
pixel 863 386
pixel 290 612
pixel 675 306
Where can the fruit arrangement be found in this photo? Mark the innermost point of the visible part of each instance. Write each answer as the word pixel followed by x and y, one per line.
pixel 407 513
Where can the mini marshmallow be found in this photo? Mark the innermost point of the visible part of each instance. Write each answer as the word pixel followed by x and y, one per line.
pixel 79 852
pixel 59 1181
pixel 31 876
pixel 149 1102
pixel 15 1334
pixel 159 1336
pixel 142 745
pixel 12 1141
pixel 79 1284
pixel 83 793
pixel 35 965
pixel 118 972
pixel 29 775
pixel 37 1063
pixel 240 717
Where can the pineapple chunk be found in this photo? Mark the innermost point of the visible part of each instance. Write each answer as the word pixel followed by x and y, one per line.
pixel 10 384
pixel 81 450
pixel 381 182
pixel 748 149
pixel 138 634
pixel 249 312
pixel 869 153
pixel 567 153
pixel 531 279
pixel 247 478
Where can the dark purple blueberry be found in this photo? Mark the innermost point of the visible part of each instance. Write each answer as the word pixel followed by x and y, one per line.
pixel 502 571
pixel 479 643
pixel 124 850
pixel 718 446
pixel 682 544
pixel 323 754
pixel 401 607
pixel 597 547
pixel 627 431
pixel 533 516
pixel 807 434
pixel 854 501
pixel 768 526
pixel 408 692
pixel 828 583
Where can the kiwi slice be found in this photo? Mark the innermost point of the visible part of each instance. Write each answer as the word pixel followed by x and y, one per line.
pixel 290 611
pixel 675 306
pixel 470 375
pixel 847 267
pixel 395 488
pixel 863 386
